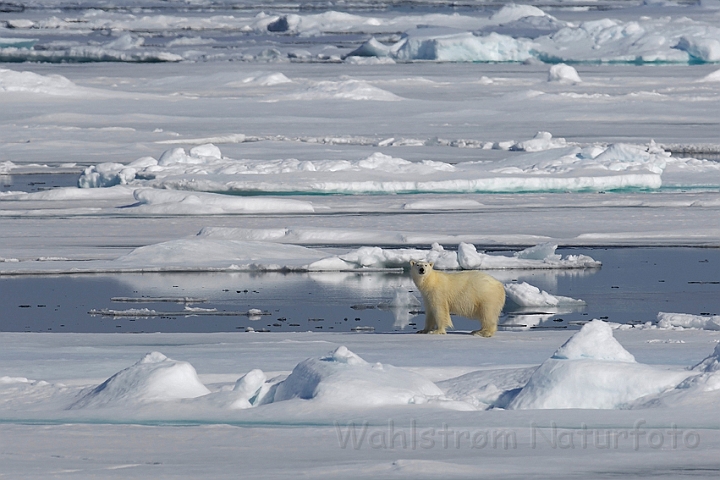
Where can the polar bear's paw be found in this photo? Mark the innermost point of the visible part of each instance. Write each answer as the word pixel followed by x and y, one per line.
pixel 483 333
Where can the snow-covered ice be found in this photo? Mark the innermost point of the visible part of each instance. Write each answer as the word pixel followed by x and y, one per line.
pixel 353 137
pixel 280 386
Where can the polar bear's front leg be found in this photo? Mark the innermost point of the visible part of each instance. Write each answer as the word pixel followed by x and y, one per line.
pixel 441 315
pixel 430 324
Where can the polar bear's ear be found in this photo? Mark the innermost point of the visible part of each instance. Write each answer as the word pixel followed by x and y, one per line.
pixel 412 263
pixel 432 264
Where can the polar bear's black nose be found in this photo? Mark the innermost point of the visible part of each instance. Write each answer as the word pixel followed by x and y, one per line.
pixel 421 270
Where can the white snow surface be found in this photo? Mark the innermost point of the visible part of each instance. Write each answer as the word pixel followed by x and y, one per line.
pixel 592 370
pixel 154 378
pixel 327 387
pixel 343 378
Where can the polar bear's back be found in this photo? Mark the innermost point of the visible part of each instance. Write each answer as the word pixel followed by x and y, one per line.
pixel 468 292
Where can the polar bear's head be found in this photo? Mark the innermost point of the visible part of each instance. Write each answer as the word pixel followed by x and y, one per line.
pixel 420 269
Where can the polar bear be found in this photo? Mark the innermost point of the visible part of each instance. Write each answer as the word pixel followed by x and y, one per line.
pixel 470 294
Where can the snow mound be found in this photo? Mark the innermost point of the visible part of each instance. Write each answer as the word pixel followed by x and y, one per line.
pixel 155 378
pixel 594 341
pixel 701 387
pixel 711 363
pixel 344 90
pixel 249 389
pixel 198 252
pixel 526 295
pixel 485 389
pixel 371 48
pixel 592 370
pixel 541 142
pixel 343 378
pixel 712 77
pixel 562 73
pixel 684 320
pixel 29 82
pixel 265 79
pixel 513 12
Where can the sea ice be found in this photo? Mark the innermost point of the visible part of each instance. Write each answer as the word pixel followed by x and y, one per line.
pixel 526 295
pixel 562 73
pixel 154 378
pixel 550 164
pixel 684 320
pixel 343 378
pixel 592 370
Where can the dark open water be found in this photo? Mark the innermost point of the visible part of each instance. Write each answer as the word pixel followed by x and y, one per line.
pixel 633 285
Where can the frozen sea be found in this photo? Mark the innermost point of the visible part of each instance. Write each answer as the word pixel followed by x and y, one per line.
pixel 189 190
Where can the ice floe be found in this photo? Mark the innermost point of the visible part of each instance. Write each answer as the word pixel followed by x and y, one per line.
pixel 549 165
pixel 592 370
pixel 344 378
pixel 526 295
pixel 684 320
pixel 154 378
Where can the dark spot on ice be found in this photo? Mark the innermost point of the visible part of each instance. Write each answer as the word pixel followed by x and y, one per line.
pixel 279 25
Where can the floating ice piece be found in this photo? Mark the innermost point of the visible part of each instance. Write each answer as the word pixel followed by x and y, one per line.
pixel 343 378
pixel 155 378
pixel 526 295
pixel 469 258
pixel 541 251
pixel 594 341
pixel 203 253
pixel 684 320
pixel 6 166
pixel 592 370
